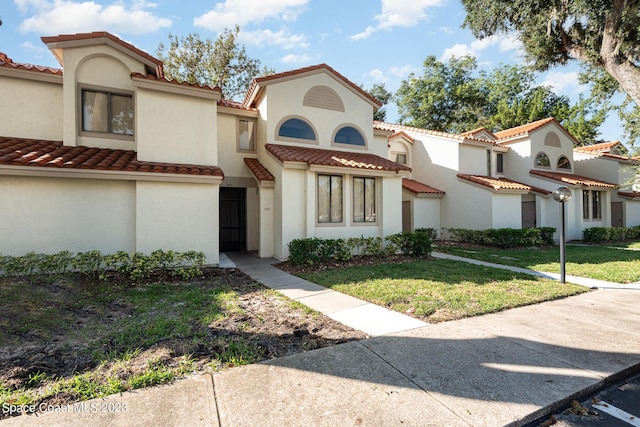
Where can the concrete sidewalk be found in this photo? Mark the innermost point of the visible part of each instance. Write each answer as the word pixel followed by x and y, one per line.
pixel 504 368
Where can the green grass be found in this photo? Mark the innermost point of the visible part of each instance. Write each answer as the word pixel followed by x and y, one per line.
pixel 133 335
pixel 441 290
pixel 609 263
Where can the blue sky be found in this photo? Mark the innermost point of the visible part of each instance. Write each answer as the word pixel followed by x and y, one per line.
pixel 368 41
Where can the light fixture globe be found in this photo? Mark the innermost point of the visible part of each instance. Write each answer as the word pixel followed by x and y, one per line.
pixel 561 194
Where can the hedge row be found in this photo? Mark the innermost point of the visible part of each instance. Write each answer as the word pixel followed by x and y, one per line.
pixel 610 234
pixel 504 237
pixel 313 250
pixel 136 266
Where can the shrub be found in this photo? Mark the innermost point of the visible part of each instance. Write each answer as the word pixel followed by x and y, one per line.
pixel 610 234
pixel 136 266
pixel 416 243
pixel 504 237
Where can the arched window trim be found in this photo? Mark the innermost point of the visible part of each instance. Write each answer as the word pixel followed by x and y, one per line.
pixel 293 139
pixel 538 156
pixel 343 145
pixel 568 163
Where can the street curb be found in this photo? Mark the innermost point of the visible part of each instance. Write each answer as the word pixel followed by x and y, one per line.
pixel 535 418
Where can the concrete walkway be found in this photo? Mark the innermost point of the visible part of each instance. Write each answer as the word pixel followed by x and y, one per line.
pixel 506 368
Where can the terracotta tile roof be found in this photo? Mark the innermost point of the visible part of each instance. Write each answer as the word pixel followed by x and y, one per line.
pixel 474 132
pixel 419 188
pixel 175 82
pixel 344 159
pixel 402 134
pixel 630 194
pixel 393 127
pixel 258 170
pixel 234 104
pixel 524 129
pixel 7 62
pixel 573 179
pixel 497 184
pixel 260 80
pixel 603 147
pixel 41 153
pixel 98 35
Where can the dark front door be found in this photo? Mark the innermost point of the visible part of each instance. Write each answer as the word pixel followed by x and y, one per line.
pixel 233 224
pixel 529 214
pixel 616 214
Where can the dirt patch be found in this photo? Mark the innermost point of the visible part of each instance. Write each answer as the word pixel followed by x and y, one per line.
pixel 83 329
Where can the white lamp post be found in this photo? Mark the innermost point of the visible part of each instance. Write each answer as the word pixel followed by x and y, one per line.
pixel 562 194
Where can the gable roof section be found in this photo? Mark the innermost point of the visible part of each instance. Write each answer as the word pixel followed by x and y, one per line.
pixel 496 184
pixel 420 189
pixel 260 82
pixel 573 179
pixel 603 147
pixel 56 43
pixel 479 131
pixel 396 128
pixel 42 154
pixel 529 128
pixel 401 135
pixel 333 158
pixel 151 81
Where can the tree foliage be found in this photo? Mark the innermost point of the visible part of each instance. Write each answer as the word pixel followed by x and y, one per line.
pixel 223 62
pixel 380 92
pixel 602 33
pixel 454 97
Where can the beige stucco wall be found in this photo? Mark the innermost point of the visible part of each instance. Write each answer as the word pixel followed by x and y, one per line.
pixel 285 99
pixel 48 215
pixel 425 211
pixel 177 216
pixel 176 128
pixel 631 213
pixel 31 109
pixel 506 210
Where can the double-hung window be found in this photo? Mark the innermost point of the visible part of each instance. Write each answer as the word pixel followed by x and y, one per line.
pixel 330 199
pixel 107 112
pixel 364 199
pixel 245 135
pixel 591 205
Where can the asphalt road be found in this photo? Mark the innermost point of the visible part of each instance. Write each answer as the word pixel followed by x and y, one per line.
pixel 618 405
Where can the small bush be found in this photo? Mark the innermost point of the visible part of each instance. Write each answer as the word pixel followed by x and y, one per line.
pixel 505 237
pixel 416 243
pixel 610 234
pixel 136 266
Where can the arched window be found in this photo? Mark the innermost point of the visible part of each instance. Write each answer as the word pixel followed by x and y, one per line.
pixel 564 163
pixel 296 128
pixel 542 160
pixel 349 135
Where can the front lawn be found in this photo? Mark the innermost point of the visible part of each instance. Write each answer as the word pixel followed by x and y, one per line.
pixel 70 337
pixel 620 264
pixel 439 290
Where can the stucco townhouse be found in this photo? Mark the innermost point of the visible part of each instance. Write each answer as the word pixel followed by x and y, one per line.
pixel 506 178
pixel 106 153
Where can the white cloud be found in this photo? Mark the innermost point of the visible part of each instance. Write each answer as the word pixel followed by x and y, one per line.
pixel 66 16
pixel 377 76
pixel 296 59
pixel 505 42
pixel 230 13
pixel 561 82
pixel 403 71
pixel 282 38
pixel 398 13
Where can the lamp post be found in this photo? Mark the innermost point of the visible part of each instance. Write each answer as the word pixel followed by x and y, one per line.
pixel 561 195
